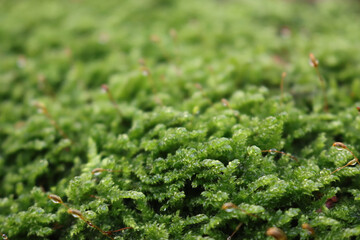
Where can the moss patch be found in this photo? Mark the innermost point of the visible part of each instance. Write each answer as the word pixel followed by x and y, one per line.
pixel 194 108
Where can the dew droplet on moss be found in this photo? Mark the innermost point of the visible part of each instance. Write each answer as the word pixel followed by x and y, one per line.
pixel 229 207
pixel 75 213
pixel 273 151
pixel 313 61
pixel 97 171
pixel 55 199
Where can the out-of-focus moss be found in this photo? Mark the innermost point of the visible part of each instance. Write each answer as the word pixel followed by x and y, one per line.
pixel 175 154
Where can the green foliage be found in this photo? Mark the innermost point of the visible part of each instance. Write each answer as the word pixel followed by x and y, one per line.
pixel 175 154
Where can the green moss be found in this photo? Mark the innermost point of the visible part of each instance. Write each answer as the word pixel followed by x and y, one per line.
pixel 176 154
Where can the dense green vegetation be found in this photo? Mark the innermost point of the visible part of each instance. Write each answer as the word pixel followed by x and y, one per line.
pixel 176 151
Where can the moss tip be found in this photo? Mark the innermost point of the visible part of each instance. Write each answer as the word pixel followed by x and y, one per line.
pixel 228 205
pixel 98 171
pixel 276 233
pixel 75 213
pixel 55 198
pixel 313 61
pixel 339 145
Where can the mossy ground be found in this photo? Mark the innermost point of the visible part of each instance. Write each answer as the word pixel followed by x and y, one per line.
pixel 181 153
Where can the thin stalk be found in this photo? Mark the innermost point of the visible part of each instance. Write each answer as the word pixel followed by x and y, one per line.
pixel 111 98
pixel 118 230
pixel 322 81
pixel 315 64
pixel 147 73
pixel 77 214
pixel 42 108
pixel 283 75
pixel 352 162
pixel 236 229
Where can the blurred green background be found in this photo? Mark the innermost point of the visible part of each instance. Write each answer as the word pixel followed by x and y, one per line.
pixel 168 64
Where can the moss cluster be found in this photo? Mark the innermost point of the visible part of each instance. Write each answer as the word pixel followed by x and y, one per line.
pixel 175 150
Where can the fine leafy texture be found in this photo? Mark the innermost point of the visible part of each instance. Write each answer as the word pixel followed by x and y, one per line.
pixel 178 106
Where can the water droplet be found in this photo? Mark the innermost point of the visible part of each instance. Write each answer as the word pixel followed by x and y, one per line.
pixel 229 210
pixel 75 213
pixel 339 145
pixel 313 64
pixel 339 148
pixel 273 151
pixel 225 102
pixel 104 88
pixel 21 62
pixel 229 207
pixel 55 199
pixel 145 73
pixel 97 171
pixel 313 61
